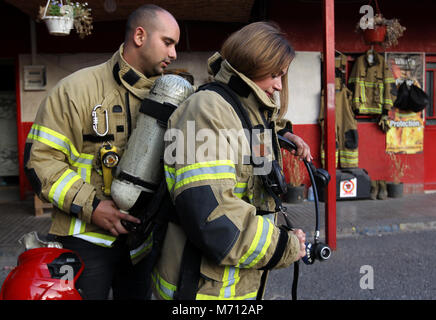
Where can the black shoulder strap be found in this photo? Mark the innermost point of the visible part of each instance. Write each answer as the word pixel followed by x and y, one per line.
pixel 230 96
pixel 228 93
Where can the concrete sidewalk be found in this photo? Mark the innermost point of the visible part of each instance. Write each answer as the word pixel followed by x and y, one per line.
pixel 354 218
pixel 371 217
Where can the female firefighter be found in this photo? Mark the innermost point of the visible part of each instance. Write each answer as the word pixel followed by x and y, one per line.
pixel 223 236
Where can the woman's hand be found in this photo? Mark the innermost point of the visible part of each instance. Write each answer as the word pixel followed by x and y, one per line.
pixel 302 239
pixel 303 149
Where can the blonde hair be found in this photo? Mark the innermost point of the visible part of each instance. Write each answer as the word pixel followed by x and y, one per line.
pixel 259 50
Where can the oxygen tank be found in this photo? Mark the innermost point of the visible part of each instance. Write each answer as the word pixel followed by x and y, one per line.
pixel 139 172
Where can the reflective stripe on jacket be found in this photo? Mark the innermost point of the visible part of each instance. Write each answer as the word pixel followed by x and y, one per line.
pixel 347 153
pixel 371 85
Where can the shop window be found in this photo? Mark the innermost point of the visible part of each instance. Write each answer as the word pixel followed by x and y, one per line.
pixel 8 125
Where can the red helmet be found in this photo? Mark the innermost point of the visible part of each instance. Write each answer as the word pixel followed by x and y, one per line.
pixel 44 274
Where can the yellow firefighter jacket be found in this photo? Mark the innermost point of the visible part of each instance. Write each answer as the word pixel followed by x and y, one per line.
pixel 347 155
pixel 371 85
pixel 62 149
pixel 217 197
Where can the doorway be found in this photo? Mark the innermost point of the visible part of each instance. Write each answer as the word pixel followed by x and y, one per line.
pixel 430 126
pixel 9 181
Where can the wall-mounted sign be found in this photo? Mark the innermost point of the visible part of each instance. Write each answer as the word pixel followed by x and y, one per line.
pixel 348 188
pixel 406 134
pixel 34 77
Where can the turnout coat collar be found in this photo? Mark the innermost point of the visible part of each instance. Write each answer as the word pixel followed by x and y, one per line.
pixel 222 71
pixel 133 80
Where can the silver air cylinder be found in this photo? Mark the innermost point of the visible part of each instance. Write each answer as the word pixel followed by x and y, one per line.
pixel 140 169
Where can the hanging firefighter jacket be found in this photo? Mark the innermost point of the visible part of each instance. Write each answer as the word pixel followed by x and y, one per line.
pixel 347 155
pixel 61 156
pixel 372 84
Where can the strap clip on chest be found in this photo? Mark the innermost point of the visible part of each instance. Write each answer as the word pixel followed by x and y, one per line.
pixel 95 121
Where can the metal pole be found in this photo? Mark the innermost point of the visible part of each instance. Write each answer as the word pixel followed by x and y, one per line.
pixel 329 129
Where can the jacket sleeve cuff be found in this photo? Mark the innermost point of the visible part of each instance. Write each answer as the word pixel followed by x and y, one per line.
pixel 280 249
pixel 84 203
pixel 291 251
pixel 284 126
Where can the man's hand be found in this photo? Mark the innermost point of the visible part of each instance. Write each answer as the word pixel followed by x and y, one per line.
pixel 303 149
pixel 108 217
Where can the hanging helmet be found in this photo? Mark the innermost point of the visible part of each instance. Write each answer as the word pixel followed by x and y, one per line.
pixel 44 274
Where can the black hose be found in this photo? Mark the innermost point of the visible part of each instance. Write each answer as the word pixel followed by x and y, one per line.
pixel 315 196
pixel 295 280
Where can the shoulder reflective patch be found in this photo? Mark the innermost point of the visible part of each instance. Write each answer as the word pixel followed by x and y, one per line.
pixel 215 238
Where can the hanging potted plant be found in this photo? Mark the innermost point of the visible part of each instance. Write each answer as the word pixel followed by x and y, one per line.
pixel 60 17
pixel 294 172
pixel 384 32
pixel 378 33
pixel 398 169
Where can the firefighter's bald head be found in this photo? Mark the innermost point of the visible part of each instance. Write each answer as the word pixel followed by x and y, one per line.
pixel 146 16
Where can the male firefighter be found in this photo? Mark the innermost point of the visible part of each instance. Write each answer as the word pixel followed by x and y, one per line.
pixel 90 111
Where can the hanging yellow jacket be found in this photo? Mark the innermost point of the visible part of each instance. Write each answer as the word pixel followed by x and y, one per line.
pixel 347 153
pixel 218 198
pixel 371 85
pixel 62 149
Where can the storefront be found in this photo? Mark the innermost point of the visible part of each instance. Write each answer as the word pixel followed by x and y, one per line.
pixel 316 29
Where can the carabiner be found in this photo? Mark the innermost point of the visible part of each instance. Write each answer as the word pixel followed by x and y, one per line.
pixel 95 121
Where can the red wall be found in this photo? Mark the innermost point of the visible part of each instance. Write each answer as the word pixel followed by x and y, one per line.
pixel 430 157
pixel 302 21
pixel 303 24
